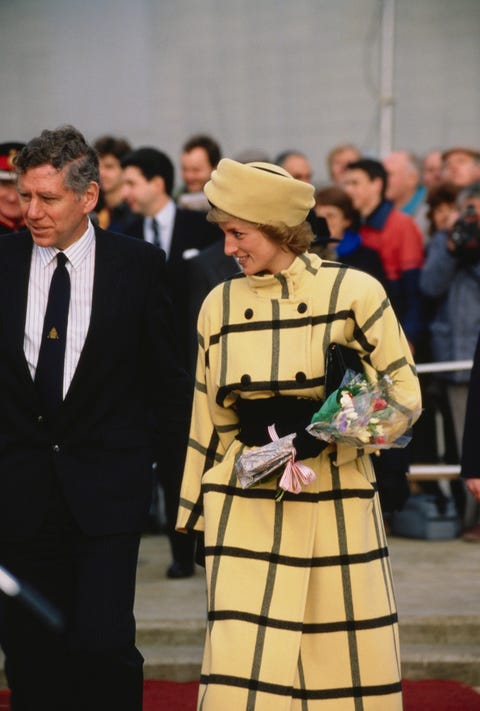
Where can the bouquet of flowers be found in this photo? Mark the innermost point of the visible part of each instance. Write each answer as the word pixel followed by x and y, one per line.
pixel 354 414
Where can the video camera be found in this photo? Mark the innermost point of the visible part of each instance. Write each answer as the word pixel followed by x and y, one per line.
pixel 465 236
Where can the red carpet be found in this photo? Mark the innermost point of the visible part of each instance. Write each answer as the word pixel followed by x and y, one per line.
pixel 439 695
pixel 429 695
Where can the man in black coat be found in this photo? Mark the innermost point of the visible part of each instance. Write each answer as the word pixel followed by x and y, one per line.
pixel 76 470
pixel 148 179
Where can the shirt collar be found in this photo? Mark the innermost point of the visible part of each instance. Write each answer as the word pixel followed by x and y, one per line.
pixel 166 215
pixel 75 254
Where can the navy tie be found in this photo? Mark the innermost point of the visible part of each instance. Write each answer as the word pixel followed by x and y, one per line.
pixel 49 373
pixel 156 233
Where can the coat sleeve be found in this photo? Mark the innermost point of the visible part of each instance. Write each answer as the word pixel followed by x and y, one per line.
pixel 212 429
pixel 168 383
pixel 379 338
pixel 439 269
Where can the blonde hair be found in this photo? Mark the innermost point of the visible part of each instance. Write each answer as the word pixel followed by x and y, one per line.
pixel 297 239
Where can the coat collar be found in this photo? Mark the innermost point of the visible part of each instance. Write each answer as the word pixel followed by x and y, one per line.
pixel 377 219
pixel 287 283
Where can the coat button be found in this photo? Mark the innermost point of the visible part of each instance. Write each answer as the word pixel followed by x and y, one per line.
pixel 300 377
pixel 248 313
pixel 245 379
pixel 301 308
pixel 56 448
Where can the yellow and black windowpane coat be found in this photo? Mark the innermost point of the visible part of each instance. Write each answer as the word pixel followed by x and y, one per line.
pixel 301 610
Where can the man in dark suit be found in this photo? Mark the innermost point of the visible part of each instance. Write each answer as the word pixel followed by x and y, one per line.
pixel 79 432
pixel 148 179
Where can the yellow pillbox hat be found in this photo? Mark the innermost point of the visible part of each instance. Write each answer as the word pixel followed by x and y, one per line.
pixel 259 192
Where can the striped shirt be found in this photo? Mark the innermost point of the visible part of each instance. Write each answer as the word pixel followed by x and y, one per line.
pixel 81 268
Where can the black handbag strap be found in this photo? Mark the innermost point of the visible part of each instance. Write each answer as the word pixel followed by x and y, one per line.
pixel 337 360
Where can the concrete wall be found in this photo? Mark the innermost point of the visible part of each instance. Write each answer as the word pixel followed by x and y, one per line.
pixel 270 74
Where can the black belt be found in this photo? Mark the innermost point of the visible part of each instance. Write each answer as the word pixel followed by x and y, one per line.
pixel 288 414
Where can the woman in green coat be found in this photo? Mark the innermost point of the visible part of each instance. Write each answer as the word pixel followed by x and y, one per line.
pixel 301 610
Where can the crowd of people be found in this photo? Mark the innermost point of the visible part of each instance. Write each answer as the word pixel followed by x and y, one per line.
pixel 393 218
pixel 148 330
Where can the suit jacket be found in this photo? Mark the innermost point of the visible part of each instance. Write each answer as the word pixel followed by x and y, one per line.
pixel 127 400
pixel 191 231
pixel 209 268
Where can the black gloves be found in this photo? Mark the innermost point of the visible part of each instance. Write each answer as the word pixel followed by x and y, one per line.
pixel 307 446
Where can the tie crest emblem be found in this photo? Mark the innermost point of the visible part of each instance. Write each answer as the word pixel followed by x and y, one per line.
pixel 53 334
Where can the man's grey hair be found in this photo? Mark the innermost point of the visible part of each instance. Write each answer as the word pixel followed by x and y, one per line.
pixel 63 147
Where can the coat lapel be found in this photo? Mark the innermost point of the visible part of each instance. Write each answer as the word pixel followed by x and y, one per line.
pixel 109 269
pixel 175 255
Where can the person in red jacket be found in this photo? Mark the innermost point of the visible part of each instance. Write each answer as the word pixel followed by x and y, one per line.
pixel 11 218
pixel 396 238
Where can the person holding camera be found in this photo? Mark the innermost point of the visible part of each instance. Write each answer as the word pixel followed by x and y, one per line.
pixel 451 276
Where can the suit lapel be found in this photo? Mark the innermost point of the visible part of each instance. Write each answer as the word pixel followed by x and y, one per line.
pixel 175 255
pixel 109 268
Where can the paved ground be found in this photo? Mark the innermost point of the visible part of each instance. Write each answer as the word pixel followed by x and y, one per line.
pixel 437 588
pixel 431 578
pixel 157 596
pixel 436 577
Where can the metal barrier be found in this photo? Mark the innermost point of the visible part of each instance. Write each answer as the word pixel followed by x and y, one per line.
pixel 444 366
pixel 428 472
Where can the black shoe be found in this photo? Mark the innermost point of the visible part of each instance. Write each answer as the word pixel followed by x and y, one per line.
pixel 177 570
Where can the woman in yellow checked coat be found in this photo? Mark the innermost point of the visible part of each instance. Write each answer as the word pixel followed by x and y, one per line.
pixel 301 610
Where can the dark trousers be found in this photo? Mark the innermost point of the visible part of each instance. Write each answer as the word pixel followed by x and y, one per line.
pixel 182 545
pixel 93 663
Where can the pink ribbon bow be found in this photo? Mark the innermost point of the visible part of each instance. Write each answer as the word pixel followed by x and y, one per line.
pixel 296 474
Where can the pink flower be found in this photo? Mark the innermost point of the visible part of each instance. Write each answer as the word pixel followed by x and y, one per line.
pixel 379 404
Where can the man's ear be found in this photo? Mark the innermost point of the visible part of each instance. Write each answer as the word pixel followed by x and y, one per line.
pixel 159 183
pixel 378 183
pixel 90 197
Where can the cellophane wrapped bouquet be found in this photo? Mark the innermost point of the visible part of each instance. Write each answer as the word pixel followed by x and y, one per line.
pixel 357 412
pixel 360 413
pixel 265 462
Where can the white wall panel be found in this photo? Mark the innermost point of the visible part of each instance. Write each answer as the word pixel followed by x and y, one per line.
pixel 270 74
